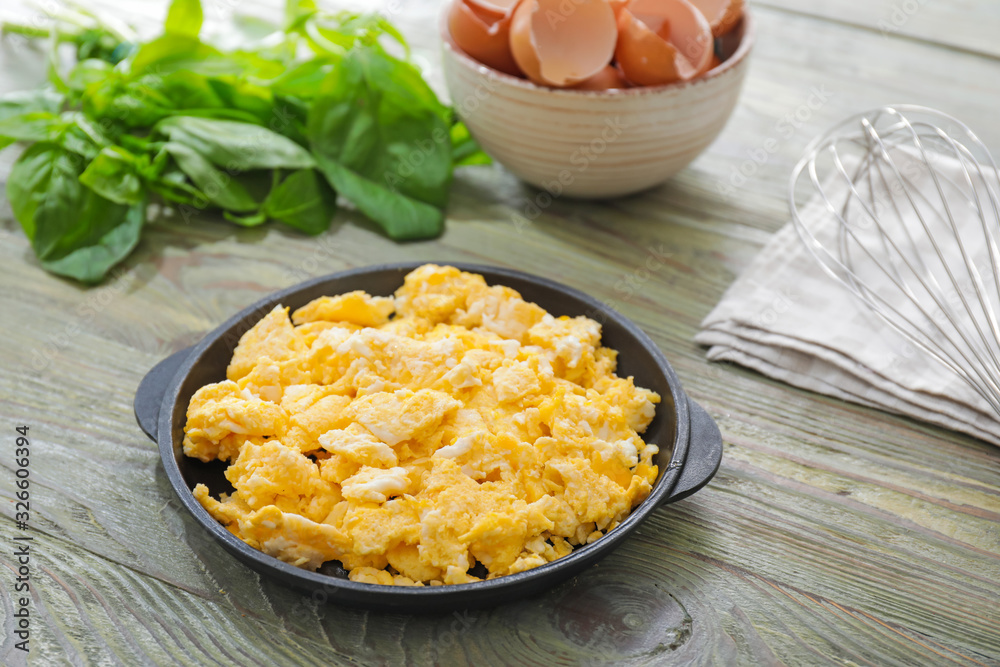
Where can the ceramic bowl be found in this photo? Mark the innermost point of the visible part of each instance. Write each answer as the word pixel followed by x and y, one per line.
pixel 595 144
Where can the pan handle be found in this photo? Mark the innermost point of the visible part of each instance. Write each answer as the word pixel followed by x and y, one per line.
pixel 149 395
pixel 703 457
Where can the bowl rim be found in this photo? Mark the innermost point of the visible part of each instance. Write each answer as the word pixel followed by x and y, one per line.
pixel 747 22
pixel 451 594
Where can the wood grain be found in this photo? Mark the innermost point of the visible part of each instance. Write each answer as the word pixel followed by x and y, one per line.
pixel 961 26
pixel 833 534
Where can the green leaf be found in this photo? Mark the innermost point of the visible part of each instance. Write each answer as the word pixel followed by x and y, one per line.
pixel 237 94
pixel 22 102
pixel 303 200
pixel 399 80
pixel 219 187
pixel 75 139
pixel 383 144
pixel 236 146
pixel 33 126
pixel 87 73
pixel 297 10
pixel 19 104
pixel 465 151
pixel 172 184
pixel 143 101
pixel 90 263
pixel 171 53
pixel 74 231
pixel 304 79
pixel 113 175
pixel 184 18
pixel 252 28
pixel 402 218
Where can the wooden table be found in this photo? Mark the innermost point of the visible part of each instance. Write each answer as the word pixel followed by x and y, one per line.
pixel 831 534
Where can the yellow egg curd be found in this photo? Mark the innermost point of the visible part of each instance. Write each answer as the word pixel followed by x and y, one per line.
pixel 411 438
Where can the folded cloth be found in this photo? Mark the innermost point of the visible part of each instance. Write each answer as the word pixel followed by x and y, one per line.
pixel 788 319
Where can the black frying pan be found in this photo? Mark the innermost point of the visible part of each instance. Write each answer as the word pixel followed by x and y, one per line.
pixel 689 441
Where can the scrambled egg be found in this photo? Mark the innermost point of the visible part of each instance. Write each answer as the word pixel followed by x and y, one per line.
pixel 412 438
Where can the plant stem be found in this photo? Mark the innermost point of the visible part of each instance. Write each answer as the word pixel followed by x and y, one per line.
pixel 26 30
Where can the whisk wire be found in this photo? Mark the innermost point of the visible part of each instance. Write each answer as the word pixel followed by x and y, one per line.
pixel 968 264
pixel 900 189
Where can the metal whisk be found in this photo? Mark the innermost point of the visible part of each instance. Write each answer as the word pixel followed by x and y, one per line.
pixel 908 218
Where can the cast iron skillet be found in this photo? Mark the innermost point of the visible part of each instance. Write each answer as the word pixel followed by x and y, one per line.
pixel 689 441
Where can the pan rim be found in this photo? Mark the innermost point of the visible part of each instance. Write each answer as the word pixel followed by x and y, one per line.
pixel 440 595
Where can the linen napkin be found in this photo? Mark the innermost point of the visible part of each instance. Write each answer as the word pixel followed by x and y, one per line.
pixel 788 319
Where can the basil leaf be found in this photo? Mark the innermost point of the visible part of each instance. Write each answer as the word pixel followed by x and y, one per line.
pixel 219 187
pixel 89 263
pixel 32 126
pixel 267 132
pixel 465 150
pixel 145 100
pixel 76 140
pixel 87 73
pixel 81 136
pixel 234 145
pixel 172 184
pixel 113 175
pixel 399 81
pixel 172 53
pixel 401 217
pixel 296 10
pixel 184 18
pixel 303 200
pixel 304 79
pixel 74 231
pixel 384 145
pixel 22 102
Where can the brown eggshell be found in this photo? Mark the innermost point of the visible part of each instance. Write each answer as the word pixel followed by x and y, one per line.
pixel 609 78
pixel 618 5
pixel 485 40
pixel 560 43
pixel 520 41
pixel 722 15
pixel 495 8
pixel 662 41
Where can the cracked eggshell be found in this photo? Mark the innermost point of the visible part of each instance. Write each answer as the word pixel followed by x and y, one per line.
pixel 722 15
pixel 618 5
pixel 663 41
pixel 482 34
pixel 496 8
pixel 559 43
pixel 609 78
